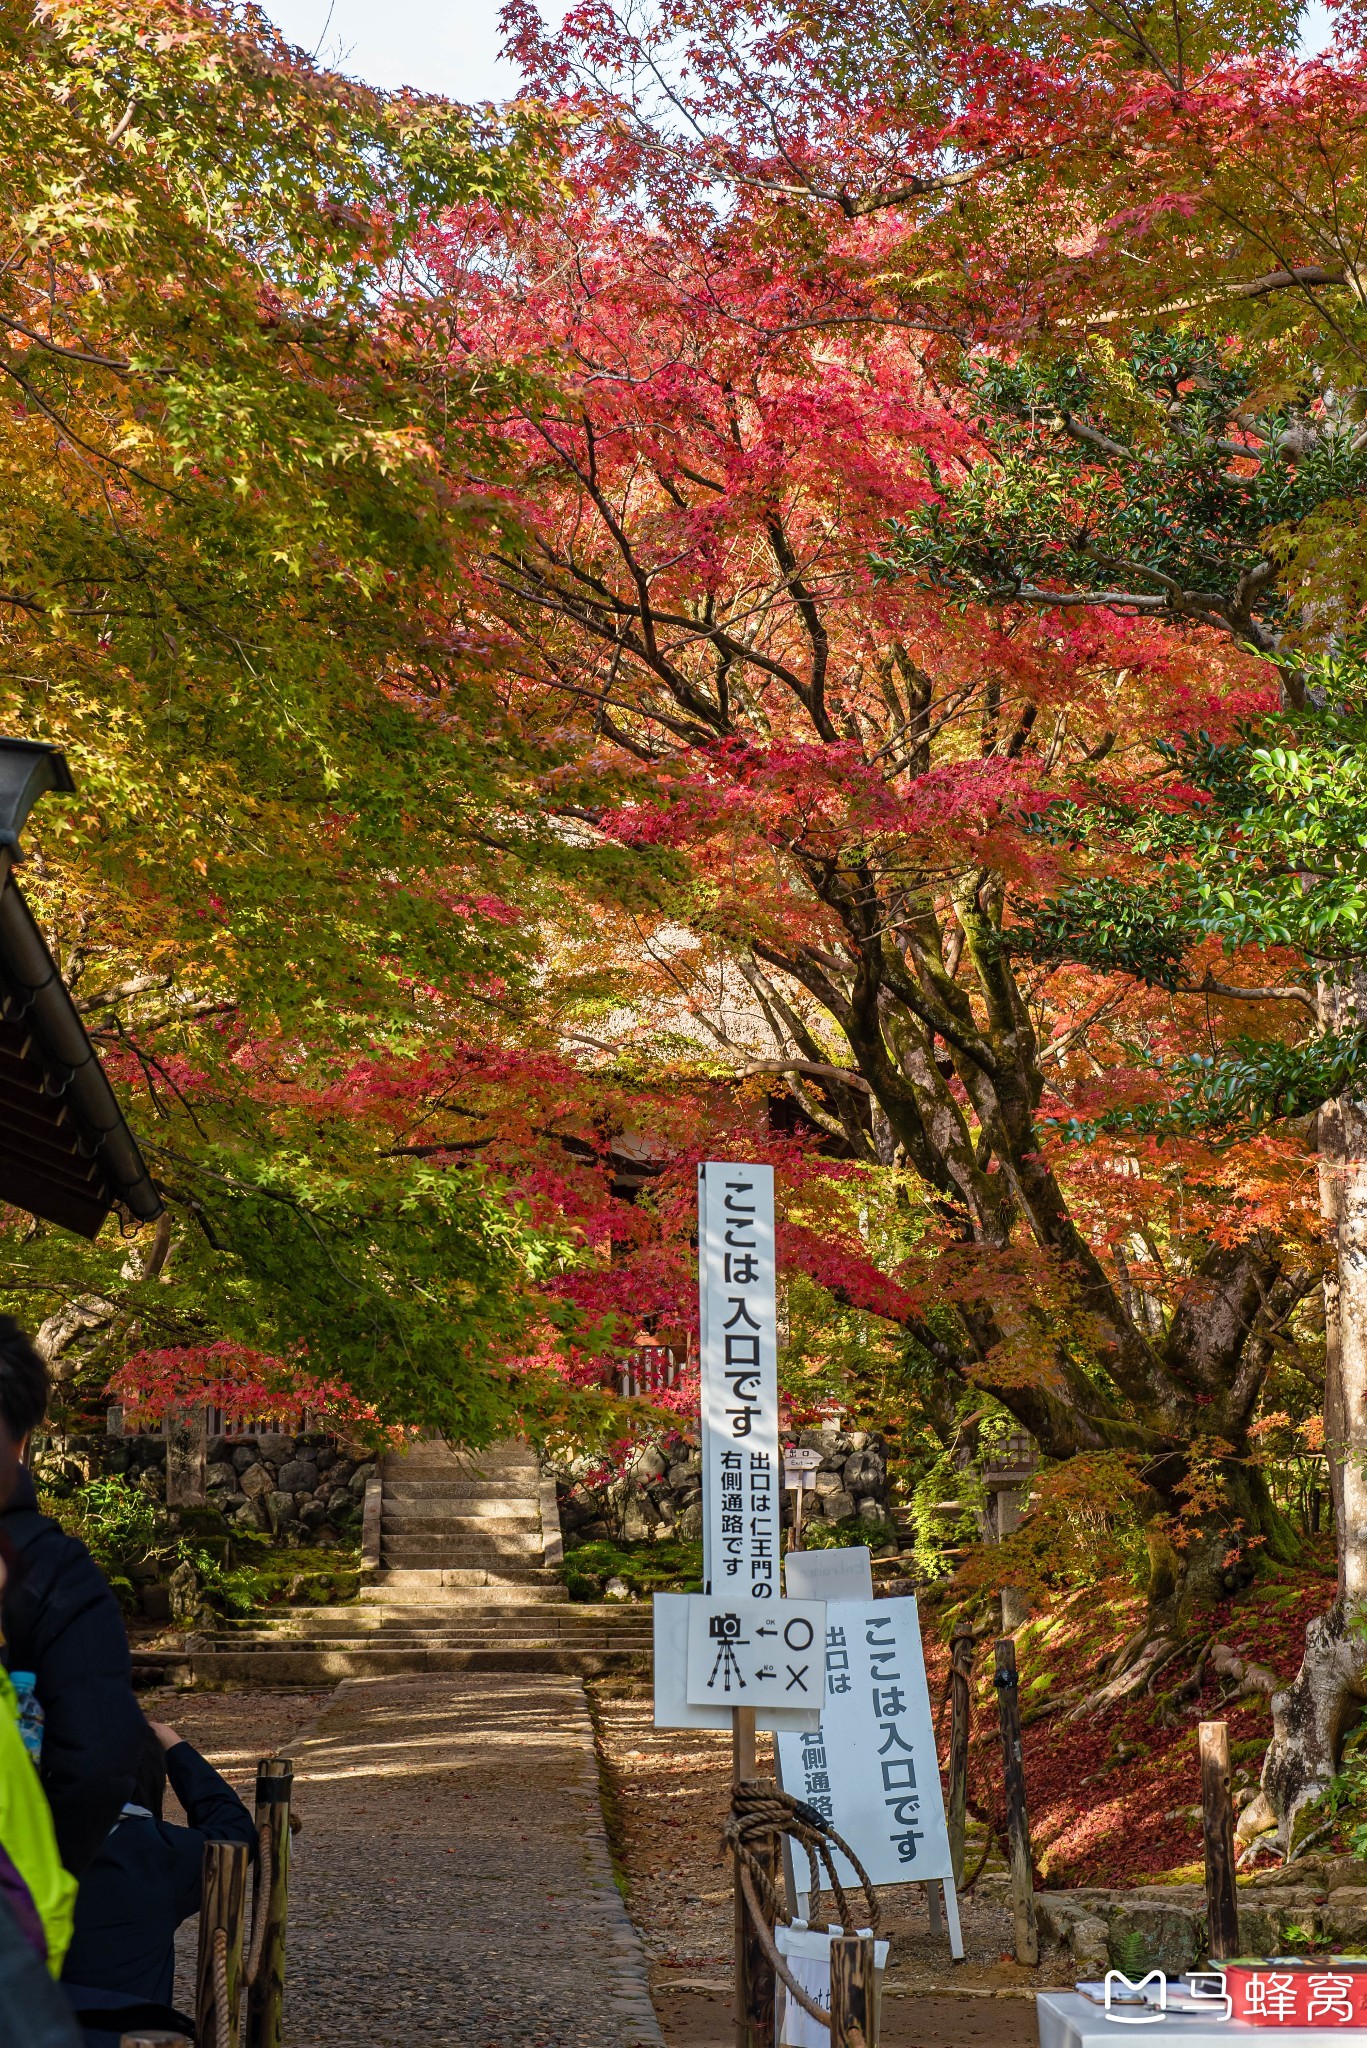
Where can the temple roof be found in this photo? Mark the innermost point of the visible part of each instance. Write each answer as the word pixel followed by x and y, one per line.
pixel 66 1152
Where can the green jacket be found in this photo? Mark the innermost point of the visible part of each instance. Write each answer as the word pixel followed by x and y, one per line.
pixel 35 1887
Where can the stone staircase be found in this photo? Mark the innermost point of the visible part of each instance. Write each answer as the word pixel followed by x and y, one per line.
pixel 455 1524
pixel 459 1574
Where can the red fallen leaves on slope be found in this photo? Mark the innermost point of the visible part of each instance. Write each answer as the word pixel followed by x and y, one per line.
pixel 1114 1796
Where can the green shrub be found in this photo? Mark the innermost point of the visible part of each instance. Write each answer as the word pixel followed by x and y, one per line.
pixel 126 1531
pixel 644 1568
pixel 840 1535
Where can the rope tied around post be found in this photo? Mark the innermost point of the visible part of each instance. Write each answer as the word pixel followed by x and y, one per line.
pixel 261 1899
pixel 759 1809
pixel 223 2025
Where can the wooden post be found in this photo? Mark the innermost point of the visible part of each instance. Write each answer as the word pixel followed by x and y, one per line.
pixel 1017 1820
pixel 960 1711
pixel 755 1984
pixel 800 1496
pixel 223 1906
pixel 1217 1826
pixel 266 1999
pixel 853 1992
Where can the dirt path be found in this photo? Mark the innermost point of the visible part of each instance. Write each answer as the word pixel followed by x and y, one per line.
pixel 666 1794
pixel 452 1881
pixel 695 2020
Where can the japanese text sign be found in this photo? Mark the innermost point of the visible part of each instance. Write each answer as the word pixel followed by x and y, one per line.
pixel 739 1339
pixel 872 1770
pixel 743 1656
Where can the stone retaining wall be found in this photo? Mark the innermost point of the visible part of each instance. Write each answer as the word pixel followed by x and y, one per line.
pixel 303 1489
pixel 1309 1905
pixel 300 1487
pixel 658 1492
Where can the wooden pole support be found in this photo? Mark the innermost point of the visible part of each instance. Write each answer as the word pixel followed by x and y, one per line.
pixel 1017 1819
pixel 1217 1826
pixel 761 1985
pixel 960 1712
pixel 754 1991
pixel 853 1992
pixel 266 1998
pixel 223 1906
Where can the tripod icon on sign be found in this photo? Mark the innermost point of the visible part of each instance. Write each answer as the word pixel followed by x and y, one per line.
pixel 725 1630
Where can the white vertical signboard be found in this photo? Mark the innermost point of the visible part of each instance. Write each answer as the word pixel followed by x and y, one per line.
pixel 871 1768
pixel 738 1327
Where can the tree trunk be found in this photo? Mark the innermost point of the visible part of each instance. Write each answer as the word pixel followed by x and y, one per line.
pixel 1220 1555
pixel 1311 1718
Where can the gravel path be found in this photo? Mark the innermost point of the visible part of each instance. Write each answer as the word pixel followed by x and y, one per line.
pixel 452 1887
pixel 451 1882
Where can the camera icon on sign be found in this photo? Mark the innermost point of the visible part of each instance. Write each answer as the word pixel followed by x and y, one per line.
pixel 724 1628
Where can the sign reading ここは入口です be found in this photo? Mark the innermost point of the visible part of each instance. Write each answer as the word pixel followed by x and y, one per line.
pixel 871 1769
pixel 739 1359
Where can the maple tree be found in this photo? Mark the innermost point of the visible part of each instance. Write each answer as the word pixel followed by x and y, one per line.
pixel 743 607
pixel 1124 252
pixel 851 778
pixel 1041 302
pixel 229 536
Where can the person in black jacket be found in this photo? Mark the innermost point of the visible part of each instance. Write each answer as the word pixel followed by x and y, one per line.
pixel 62 1622
pixel 146 1878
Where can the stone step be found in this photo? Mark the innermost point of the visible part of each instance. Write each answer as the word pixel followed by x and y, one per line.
pixel 458 1599
pixel 484 1496
pixel 274 1666
pixel 472 1619
pixel 546 1637
pixel 534 1581
pixel 602 1639
pixel 461 1464
pixel 454 1518
pixel 434 1549
pixel 432 1471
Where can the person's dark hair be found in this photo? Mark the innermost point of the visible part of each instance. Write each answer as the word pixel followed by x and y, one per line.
pixel 23 1382
pixel 149 1782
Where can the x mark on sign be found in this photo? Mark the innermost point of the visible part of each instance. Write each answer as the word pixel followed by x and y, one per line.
pixel 797 1676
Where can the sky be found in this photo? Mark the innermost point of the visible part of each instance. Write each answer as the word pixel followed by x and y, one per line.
pixel 442 46
pixel 451 46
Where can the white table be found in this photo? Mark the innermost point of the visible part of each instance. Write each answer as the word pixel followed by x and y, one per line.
pixel 1068 2020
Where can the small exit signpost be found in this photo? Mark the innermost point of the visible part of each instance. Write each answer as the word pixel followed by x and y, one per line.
pixel 800 1467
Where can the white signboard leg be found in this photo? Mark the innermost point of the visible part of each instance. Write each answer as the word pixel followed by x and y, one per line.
pixel 956 1940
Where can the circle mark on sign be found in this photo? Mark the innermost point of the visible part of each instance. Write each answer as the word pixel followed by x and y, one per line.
pixel 794 1640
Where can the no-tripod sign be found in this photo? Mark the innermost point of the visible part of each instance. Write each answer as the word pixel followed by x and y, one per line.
pixel 742 1655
